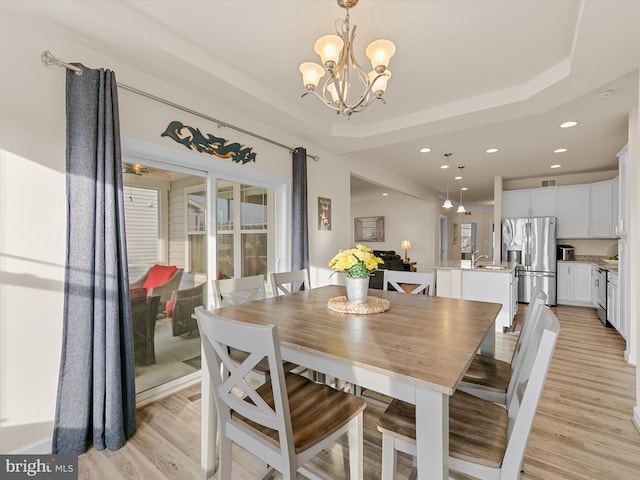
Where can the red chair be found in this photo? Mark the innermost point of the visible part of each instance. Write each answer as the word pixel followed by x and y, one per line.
pixel 159 280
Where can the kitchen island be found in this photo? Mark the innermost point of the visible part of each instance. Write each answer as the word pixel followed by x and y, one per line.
pixel 486 281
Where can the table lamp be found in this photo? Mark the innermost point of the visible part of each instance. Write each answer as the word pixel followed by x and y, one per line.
pixel 406 245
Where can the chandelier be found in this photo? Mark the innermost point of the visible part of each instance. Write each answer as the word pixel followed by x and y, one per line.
pixel 339 60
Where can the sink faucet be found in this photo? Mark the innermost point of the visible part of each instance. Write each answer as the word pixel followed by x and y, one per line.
pixel 475 260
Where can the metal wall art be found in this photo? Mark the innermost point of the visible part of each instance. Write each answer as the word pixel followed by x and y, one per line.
pixel 194 139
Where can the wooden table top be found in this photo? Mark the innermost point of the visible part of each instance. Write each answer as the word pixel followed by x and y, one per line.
pixel 422 340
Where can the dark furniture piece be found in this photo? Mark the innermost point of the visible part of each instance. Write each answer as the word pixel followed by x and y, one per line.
pixel 182 306
pixel 392 261
pixel 144 311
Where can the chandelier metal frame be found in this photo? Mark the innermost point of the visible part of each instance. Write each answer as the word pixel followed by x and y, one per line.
pixel 334 92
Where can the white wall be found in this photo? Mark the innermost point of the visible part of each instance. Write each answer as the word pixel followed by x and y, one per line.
pixel 33 207
pixel 405 218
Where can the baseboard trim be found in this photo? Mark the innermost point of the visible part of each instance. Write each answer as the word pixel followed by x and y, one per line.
pixel 169 388
pixel 636 417
pixel 39 447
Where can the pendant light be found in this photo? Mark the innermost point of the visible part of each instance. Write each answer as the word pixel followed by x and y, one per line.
pixel 447 203
pixel 461 208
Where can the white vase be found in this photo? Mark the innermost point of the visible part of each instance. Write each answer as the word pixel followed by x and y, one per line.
pixel 357 289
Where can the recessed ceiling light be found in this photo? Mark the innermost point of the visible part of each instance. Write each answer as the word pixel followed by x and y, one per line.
pixel 425 150
pixel 465 188
pixel 444 165
pixel 569 124
pixel 560 150
pixel 557 165
pixel 459 177
pixel 385 194
pixel 492 150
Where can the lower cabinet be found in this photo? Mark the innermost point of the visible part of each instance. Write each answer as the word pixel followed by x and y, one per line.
pixel 575 284
pixel 613 305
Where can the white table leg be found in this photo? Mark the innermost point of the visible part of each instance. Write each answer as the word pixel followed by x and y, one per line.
pixel 432 434
pixel 208 426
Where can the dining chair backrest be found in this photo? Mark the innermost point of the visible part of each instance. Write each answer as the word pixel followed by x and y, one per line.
pixel 284 422
pixel 538 299
pixel 286 283
pixel 234 392
pixel 525 388
pixel 236 291
pixel 421 282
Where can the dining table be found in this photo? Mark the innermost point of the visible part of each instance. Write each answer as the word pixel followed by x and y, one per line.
pixel 416 351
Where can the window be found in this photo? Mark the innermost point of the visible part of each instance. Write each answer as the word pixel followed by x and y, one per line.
pixel 244 236
pixel 196 202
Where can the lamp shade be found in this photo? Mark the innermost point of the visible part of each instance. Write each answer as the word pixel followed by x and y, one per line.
pixel 460 209
pixel 447 204
pixel 379 52
pixel 406 245
pixel 329 48
pixel 311 74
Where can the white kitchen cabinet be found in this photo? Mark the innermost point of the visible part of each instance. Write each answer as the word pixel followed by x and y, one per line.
pixel 573 211
pixel 574 284
pixel 613 302
pixel 603 209
pixel 622 193
pixel 449 282
pixel 535 202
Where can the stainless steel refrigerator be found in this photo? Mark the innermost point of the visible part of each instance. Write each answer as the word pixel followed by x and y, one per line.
pixel 531 243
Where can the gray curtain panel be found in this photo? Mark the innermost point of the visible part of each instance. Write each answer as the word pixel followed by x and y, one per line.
pixel 96 387
pixel 300 220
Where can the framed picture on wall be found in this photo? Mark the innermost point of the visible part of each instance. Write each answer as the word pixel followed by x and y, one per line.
pixel 369 229
pixel 324 213
pixel 455 234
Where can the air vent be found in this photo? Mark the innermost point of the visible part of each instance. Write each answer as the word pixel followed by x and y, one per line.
pixel 548 182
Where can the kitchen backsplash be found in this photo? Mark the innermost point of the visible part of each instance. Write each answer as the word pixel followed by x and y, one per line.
pixel 590 247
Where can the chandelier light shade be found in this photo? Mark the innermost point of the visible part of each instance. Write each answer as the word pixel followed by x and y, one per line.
pixel 338 59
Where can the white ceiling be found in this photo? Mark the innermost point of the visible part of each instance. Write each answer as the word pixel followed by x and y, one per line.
pixel 468 75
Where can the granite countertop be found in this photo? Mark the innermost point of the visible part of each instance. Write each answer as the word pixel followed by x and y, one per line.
pixel 598 260
pixel 480 267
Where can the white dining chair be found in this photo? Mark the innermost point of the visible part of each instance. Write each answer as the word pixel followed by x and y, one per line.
pixel 236 291
pixel 488 377
pixel 286 283
pixel 285 422
pixel 486 440
pixel 421 282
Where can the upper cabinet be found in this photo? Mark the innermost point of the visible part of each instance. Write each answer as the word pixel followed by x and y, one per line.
pixel 573 211
pixel 622 193
pixel 603 209
pixel 536 202
pixel 583 211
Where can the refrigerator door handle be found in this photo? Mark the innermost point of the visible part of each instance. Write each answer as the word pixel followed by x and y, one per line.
pixel 527 245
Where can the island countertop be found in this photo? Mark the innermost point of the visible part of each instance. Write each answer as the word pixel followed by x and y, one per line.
pixel 482 266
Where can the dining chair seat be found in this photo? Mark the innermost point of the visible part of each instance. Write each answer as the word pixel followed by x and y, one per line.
pixel 486 440
pixel 284 422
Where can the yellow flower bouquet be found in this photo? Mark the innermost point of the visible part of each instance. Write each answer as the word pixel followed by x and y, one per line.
pixel 357 262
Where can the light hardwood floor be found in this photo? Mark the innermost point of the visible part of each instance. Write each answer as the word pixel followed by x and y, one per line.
pixel 583 428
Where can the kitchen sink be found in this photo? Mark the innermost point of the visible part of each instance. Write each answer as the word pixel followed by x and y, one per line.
pixel 492 267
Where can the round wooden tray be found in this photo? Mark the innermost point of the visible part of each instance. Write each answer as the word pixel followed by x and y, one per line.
pixel 372 305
